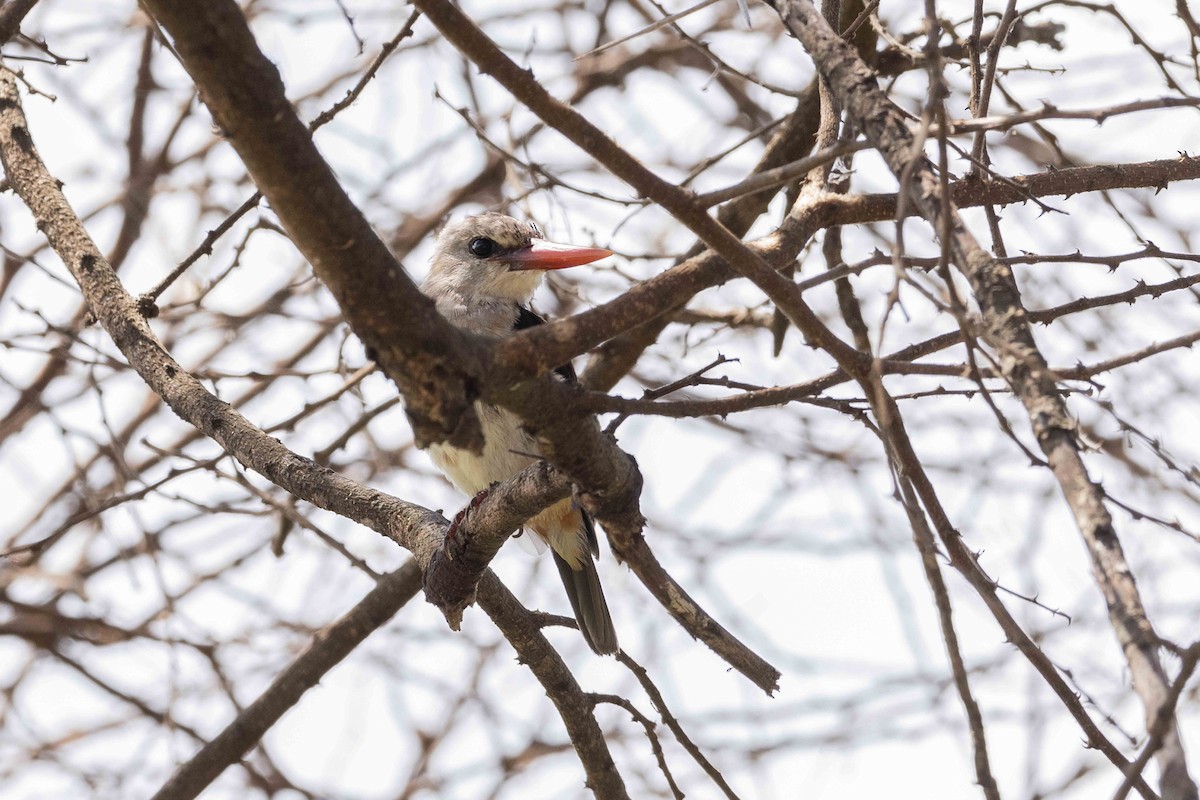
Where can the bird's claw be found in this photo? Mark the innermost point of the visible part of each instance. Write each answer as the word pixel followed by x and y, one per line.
pixel 461 516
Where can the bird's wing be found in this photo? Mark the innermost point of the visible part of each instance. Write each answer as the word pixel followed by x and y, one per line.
pixel 566 372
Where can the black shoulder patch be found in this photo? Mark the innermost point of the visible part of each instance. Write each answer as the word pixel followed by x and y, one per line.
pixel 528 319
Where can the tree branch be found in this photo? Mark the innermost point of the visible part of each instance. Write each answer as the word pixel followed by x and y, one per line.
pixel 324 652
pixel 417 529
pixel 439 369
pixel 1007 329
pixel 538 349
pixel 11 17
pixel 431 361
pixel 456 568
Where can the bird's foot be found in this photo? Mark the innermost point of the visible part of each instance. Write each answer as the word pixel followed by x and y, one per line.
pixel 461 516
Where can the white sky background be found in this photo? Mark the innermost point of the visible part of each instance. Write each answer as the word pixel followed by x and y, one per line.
pixel 809 560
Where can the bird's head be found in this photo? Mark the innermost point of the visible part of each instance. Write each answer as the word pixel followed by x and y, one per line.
pixel 494 255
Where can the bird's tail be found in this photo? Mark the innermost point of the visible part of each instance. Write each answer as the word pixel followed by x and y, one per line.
pixel 587 601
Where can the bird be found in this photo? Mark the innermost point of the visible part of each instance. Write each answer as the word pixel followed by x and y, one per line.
pixel 482 276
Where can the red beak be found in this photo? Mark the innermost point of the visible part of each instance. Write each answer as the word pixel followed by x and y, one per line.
pixel 541 254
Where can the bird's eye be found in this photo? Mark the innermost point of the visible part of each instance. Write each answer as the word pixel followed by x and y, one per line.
pixel 482 247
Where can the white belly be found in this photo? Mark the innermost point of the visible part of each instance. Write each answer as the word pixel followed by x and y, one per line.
pixel 507 450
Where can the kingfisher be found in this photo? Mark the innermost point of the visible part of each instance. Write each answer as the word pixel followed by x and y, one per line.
pixel 482 276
